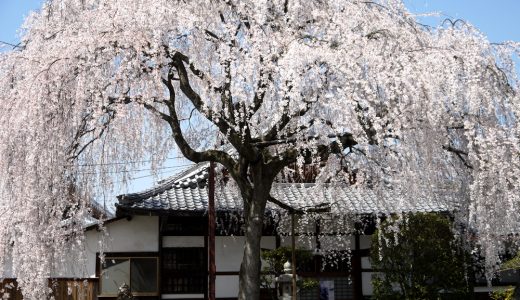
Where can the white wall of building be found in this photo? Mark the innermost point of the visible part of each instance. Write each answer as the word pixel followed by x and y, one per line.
pixel 139 234
pixel 226 286
pixel 229 251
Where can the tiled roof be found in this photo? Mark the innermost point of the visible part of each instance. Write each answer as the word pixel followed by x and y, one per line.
pixel 351 199
pixel 187 192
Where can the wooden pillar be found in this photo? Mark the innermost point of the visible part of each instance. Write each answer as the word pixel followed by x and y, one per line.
pixel 293 246
pixel 211 231
pixel 162 221
pixel 356 269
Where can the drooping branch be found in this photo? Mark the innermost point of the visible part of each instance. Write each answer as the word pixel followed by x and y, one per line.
pixel 78 146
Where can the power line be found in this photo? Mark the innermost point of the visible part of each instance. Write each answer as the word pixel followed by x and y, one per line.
pixel 126 162
pixel 138 170
pixel 133 178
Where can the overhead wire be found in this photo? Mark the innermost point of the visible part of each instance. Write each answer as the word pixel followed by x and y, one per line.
pixel 126 162
pixel 138 170
pixel 118 182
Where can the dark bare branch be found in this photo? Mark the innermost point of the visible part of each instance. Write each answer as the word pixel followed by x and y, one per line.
pixel 284 120
pixel 286 6
pixel 290 155
pixel 366 124
pixel 234 137
pixel 462 155
pixel 225 94
pixel 323 208
pixel 261 89
pixel 288 208
pixel 294 131
pixel 157 112
pixel 77 148
pixel 209 155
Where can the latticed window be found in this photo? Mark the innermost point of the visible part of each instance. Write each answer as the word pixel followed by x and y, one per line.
pixel 183 270
pixel 140 273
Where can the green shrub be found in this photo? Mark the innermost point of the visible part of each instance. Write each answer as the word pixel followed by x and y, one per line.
pixel 505 294
pixel 420 260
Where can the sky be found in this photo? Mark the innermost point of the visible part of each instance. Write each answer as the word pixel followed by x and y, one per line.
pixel 499 20
pixel 12 15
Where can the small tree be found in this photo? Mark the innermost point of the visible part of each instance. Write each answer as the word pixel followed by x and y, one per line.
pixel 420 258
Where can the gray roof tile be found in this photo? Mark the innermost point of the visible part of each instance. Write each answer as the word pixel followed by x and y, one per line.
pixel 187 192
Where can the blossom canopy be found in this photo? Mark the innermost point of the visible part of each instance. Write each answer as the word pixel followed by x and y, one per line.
pixel 354 86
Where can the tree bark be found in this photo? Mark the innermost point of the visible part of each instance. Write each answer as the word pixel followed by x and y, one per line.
pixel 254 208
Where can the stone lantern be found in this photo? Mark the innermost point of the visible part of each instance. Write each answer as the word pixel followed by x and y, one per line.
pixel 285 283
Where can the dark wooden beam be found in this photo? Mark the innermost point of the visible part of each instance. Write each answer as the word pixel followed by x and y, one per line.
pixel 211 230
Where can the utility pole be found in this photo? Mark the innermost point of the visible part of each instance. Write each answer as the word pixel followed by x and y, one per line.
pixel 211 230
pixel 293 248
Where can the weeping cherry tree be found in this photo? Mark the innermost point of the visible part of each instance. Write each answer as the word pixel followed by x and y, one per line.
pixel 352 86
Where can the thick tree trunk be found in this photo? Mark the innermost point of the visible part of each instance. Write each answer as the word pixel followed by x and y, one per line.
pixel 250 269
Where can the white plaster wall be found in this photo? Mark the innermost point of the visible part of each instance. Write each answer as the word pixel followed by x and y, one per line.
pixel 229 251
pixel 140 234
pixel 226 286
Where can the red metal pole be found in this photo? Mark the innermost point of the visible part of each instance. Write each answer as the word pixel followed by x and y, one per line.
pixel 211 230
